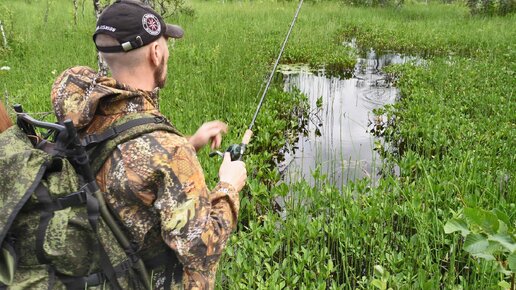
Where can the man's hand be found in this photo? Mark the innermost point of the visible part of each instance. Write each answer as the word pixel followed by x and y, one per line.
pixel 233 172
pixel 208 132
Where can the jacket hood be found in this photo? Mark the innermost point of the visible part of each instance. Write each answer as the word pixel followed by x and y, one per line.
pixel 79 93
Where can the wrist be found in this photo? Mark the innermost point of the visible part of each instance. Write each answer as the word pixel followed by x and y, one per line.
pixel 193 141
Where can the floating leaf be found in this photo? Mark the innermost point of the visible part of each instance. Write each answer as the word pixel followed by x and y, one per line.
pixel 319 102
pixel 475 243
pixel 455 225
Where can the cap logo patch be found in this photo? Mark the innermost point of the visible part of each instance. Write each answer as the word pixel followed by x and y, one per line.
pixel 151 24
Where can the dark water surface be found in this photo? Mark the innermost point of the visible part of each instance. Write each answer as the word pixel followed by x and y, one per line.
pixel 338 143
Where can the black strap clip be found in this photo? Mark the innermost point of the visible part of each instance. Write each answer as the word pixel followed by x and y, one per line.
pixel 72 199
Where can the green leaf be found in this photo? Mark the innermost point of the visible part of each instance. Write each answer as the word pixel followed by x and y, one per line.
pixel 378 270
pixel 486 220
pixel 511 260
pixel 501 216
pixel 493 248
pixel 475 243
pixel 379 284
pixel 503 229
pixel 487 257
pixel 504 284
pixel 455 225
pixel 505 240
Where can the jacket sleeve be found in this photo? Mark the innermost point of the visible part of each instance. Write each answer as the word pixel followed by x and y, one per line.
pixel 195 222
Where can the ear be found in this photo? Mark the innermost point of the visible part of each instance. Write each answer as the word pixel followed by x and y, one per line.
pixel 155 53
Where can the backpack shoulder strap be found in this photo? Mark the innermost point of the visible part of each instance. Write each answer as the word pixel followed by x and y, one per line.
pixel 101 145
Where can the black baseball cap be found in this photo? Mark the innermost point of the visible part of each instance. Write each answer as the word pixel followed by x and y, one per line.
pixel 134 25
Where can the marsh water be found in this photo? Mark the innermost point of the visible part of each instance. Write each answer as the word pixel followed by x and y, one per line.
pixel 339 143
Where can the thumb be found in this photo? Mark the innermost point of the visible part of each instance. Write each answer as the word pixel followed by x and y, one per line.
pixel 227 157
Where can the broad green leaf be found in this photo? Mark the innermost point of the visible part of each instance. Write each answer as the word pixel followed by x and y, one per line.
pixel 475 243
pixel 504 284
pixel 505 240
pixel 487 257
pixel 455 225
pixel 493 248
pixel 511 260
pixel 501 216
pixel 473 215
pixel 503 229
pixel 378 270
pixel 484 219
pixel 379 284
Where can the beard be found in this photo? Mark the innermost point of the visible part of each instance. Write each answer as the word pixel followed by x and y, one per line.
pixel 160 76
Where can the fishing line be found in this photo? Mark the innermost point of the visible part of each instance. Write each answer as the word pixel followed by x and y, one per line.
pixel 237 150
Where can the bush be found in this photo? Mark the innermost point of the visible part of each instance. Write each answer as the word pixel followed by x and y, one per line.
pixel 491 7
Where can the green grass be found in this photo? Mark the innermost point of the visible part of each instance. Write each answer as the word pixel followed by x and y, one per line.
pixel 454 129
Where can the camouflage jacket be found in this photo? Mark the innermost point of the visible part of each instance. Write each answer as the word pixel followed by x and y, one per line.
pixel 154 183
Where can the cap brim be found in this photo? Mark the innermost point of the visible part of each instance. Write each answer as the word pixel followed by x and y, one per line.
pixel 174 31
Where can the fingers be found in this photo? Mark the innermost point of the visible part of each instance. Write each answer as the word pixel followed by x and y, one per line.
pixel 216 141
pixel 216 127
pixel 214 130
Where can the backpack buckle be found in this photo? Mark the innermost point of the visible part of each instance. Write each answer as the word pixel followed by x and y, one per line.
pixel 89 139
pixel 73 199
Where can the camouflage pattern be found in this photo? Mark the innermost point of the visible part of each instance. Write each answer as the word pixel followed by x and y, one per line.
pixel 154 183
pixel 69 242
pixel 21 166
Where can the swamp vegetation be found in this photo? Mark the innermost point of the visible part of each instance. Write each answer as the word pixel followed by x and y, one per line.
pixel 448 142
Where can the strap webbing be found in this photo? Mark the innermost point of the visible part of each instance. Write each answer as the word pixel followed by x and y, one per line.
pixel 46 214
pixel 76 198
pixel 92 205
pixel 94 139
pixel 95 279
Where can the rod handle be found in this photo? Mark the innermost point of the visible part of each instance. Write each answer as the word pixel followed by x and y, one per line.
pixel 247 137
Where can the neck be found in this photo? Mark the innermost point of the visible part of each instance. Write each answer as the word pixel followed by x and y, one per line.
pixel 138 78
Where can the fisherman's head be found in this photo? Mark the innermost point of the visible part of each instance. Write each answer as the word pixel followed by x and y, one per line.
pixel 132 36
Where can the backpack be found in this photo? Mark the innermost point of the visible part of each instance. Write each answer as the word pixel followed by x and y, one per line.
pixel 56 232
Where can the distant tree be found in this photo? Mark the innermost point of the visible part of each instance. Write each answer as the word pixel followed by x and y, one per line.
pixel 164 7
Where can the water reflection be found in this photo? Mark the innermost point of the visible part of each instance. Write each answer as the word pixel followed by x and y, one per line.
pixel 343 149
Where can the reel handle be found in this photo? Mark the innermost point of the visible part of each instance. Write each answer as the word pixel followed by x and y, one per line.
pixel 236 151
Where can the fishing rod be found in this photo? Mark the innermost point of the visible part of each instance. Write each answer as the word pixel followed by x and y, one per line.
pixel 237 150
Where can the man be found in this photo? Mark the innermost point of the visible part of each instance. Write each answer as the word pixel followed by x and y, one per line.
pixel 154 184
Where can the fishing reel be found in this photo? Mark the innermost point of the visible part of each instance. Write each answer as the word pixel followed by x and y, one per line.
pixel 236 151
